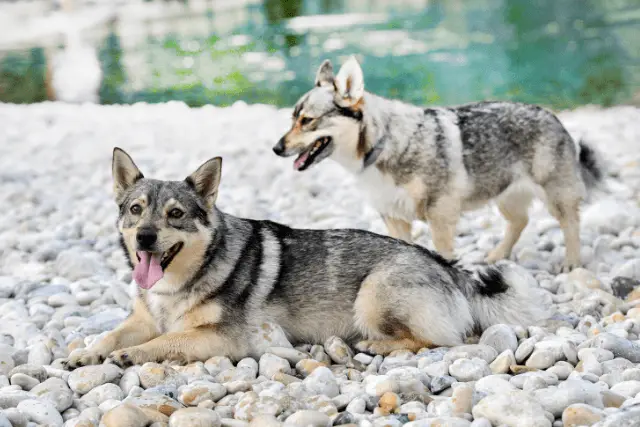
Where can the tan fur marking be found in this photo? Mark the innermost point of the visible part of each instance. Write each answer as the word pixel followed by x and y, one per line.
pixel 205 314
pixel 398 228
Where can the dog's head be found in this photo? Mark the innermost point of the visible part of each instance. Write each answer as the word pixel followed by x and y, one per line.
pixel 327 120
pixel 165 226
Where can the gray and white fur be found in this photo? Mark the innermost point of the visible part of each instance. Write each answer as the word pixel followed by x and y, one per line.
pixel 231 275
pixel 432 164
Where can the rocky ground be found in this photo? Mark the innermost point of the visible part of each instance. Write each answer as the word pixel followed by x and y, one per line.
pixel 63 282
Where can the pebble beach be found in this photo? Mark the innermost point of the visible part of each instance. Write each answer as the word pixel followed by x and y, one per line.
pixel 64 282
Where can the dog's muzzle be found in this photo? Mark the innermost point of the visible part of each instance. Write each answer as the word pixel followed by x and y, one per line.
pixel 279 148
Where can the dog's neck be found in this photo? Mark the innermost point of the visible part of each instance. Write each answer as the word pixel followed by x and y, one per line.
pixel 379 117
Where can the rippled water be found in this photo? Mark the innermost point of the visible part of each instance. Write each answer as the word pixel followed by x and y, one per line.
pixel 560 53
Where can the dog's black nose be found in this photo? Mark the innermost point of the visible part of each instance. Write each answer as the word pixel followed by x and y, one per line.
pixel 146 237
pixel 279 147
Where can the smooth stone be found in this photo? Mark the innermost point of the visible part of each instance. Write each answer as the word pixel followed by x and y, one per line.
pixel 469 370
pixel 10 398
pixel 108 391
pixel 441 383
pixel 56 391
pixel 24 381
pixel 437 422
pixel 627 388
pixel 377 385
pixel 501 337
pixel 556 399
pixel 462 398
pixel 154 402
pixel 540 359
pixel 470 351
pixel 579 414
pixel 16 418
pixel 39 354
pixel 502 363
pixel 525 349
pixel 34 371
pixel 338 350
pixel 493 384
pixel 514 408
pixel 620 347
pixel 41 412
pixel 84 379
pixel 132 416
pixel 129 379
pixel 270 364
pixel 307 418
pixel 322 381
pixel 250 406
pixel 199 391
pixel 154 374
pixel 194 417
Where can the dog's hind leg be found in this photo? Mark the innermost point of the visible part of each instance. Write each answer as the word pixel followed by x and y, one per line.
pixel 563 203
pixel 398 228
pixel 443 218
pixel 379 322
pixel 513 206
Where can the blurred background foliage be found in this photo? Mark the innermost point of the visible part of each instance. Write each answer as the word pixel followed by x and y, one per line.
pixel 559 53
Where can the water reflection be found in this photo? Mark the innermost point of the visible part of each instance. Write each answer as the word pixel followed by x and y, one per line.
pixel 556 53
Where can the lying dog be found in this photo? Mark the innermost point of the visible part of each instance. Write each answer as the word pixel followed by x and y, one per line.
pixel 434 163
pixel 206 278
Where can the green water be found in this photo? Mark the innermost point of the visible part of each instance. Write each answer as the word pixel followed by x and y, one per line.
pixel 559 53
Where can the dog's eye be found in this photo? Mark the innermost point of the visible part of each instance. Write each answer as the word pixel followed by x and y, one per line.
pixel 175 213
pixel 135 209
pixel 305 120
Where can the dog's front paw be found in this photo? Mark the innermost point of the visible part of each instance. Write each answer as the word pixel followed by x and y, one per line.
pixel 569 266
pixel 82 357
pixel 129 356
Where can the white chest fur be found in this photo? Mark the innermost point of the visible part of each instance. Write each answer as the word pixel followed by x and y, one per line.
pixel 385 196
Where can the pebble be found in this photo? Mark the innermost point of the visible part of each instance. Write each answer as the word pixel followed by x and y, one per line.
pixel 199 391
pixel 64 283
pixel 41 412
pixel 270 364
pixel 86 378
pixel 194 417
pixel 469 369
pixel 579 414
pixel 322 381
pixel 500 337
pixel 502 363
pixel 513 408
pixel 56 391
pixel 307 418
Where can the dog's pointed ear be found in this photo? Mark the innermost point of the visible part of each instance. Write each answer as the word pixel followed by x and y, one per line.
pixel 349 83
pixel 324 76
pixel 125 172
pixel 206 179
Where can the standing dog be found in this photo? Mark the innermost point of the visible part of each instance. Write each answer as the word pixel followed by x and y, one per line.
pixel 434 163
pixel 207 278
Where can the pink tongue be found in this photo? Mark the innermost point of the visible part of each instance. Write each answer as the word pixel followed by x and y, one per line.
pixel 300 161
pixel 148 271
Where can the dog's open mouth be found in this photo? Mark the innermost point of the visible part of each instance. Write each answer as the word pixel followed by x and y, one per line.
pixel 151 265
pixel 308 156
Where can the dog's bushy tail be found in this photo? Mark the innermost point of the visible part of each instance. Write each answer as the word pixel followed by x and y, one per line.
pixel 507 294
pixel 592 167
